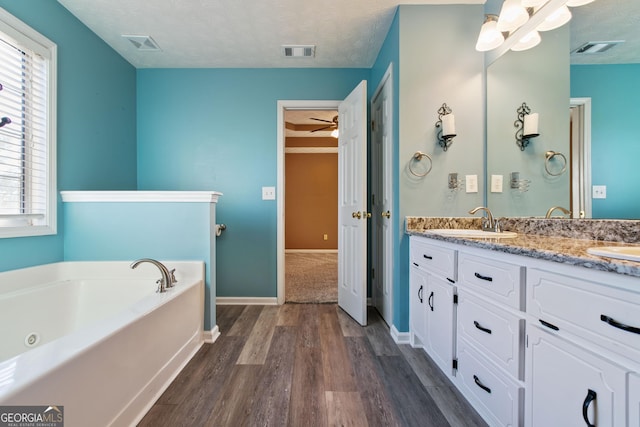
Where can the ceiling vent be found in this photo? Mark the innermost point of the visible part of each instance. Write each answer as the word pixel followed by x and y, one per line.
pixel 142 42
pixel 299 51
pixel 595 47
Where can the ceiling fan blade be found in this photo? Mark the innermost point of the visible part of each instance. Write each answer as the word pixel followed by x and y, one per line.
pixel 321 120
pixel 326 127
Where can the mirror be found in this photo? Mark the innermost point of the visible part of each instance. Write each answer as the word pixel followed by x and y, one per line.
pixel 537 77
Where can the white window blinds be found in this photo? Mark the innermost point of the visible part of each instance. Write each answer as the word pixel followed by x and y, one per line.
pixel 27 150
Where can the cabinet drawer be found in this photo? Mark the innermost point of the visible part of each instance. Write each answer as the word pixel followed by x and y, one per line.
pixel 500 281
pixel 432 258
pixel 497 333
pixel 603 314
pixel 492 393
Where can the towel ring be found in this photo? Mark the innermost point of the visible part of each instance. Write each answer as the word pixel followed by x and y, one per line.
pixel 550 155
pixel 417 157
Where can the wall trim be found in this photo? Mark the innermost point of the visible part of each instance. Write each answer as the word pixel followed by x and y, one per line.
pixel 311 150
pixel 246 301
pixel 211 336
pixel 399 337
pixel 141 196
pixel 311 251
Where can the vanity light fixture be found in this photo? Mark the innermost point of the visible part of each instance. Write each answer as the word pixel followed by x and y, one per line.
pixel 489 37
pixel 530 40
pixel 556 20
pixel 576 3
pixel 533 3
pixel 447 125
pixel 512 16
pixel 527 126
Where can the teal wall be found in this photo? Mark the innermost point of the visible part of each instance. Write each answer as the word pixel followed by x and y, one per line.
pixel 96 120
pixel 216 129
pixel 615 145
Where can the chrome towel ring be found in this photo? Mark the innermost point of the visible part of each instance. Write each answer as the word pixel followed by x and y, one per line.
pixel 547 159
pixel 417 157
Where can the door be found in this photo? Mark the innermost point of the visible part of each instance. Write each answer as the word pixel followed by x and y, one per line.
pixel 352 204
pixel 439 322
pixel 418 284
pixel 381 199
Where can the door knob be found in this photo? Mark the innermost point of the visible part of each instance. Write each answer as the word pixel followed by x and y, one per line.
pixel 386 214
pixel 366 214
pixel 356 215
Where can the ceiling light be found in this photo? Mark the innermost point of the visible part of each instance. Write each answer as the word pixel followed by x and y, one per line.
pixel 527 42
pixel 335 133
pixel 596 47
pixel 555 20
pixel 142 42
pixel 576 3
pixel 489 37
pixel 512 16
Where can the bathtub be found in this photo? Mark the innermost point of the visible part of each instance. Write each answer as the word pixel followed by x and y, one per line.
pixel 96 338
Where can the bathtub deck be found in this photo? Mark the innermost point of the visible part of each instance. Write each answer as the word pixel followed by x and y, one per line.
pixel 311 365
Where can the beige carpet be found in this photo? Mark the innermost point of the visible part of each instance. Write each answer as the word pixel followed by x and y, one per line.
pixel 311 277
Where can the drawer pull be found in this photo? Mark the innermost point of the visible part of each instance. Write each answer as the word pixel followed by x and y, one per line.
pixel 427 256
pixel 549 325
pixel 477 325
pixel 416 264
pixel 430 302
pixel 420 294
pixel 591 396
pixel 479 384
pixel 619 325
pixel 481 277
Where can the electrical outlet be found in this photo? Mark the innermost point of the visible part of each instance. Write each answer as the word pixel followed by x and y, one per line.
pixel 268 193
pixel 496 183
pixel 471 183
pixel 599 192
pixel 326 237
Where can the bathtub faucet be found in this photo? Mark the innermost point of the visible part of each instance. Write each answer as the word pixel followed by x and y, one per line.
pixel 165 281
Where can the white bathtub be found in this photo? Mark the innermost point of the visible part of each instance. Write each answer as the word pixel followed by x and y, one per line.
pixel 106 344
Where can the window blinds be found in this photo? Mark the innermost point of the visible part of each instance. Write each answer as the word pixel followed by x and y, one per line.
pixel 23 137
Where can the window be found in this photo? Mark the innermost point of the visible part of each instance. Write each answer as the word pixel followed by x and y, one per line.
pixel 28 196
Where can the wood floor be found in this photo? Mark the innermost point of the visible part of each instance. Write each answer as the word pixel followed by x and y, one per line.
pixel 308 365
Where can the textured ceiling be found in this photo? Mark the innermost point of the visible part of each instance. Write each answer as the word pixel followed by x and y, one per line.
pixel 303 120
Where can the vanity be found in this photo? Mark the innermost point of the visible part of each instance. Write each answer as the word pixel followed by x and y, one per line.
pixel 532 330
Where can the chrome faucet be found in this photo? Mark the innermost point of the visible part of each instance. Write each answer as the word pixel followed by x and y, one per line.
pixel 167 279
pixel 560 208
pixel 488 224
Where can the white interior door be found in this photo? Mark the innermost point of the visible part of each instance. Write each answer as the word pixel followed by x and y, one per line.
pixel 381 135
pixel 352 204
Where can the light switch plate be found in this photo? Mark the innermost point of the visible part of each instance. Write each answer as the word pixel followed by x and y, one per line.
pixel 599 192
pixel 471 183
pixel 268 193
pixel 496 183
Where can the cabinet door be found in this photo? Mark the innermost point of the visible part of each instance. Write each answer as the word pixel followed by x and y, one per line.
pixel 570 386
pixel 417 313
pixel 439 331
pixel 634 399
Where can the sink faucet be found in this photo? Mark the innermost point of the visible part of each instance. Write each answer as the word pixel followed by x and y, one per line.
pixel 560 208
pixel 488 224
pixel 166 281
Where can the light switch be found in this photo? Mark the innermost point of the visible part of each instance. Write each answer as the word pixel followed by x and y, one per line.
pixel 471 183
pixel 268 193
pixel 496 183
pixel 599 191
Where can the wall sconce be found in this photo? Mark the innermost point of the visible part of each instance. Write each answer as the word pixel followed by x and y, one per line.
pixel 446 123
pixel 527 125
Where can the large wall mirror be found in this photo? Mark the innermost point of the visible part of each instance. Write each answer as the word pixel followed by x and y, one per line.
pixel 546 78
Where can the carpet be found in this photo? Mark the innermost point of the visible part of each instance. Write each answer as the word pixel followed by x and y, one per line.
pixel 311 277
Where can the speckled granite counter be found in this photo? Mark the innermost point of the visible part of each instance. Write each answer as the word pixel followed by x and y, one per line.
pixel 564 250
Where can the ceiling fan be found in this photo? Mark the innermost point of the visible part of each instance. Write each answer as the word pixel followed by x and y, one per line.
pixel 333 124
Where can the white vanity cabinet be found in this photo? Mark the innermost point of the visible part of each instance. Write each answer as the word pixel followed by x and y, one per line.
pixel 431 281
pixel 634 400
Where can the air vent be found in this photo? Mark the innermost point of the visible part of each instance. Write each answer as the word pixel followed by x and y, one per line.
pixel 298 51
pixel 595 47
pixel 142 42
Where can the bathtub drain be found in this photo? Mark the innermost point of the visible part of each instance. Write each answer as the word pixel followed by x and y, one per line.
pixel 32 339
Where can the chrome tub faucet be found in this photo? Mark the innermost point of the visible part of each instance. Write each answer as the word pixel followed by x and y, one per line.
pixel 166 281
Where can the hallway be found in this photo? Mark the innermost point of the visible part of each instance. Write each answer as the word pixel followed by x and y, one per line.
pixel 308 365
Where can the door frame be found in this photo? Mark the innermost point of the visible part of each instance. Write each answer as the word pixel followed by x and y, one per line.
pixel 283 105
pixel 580 109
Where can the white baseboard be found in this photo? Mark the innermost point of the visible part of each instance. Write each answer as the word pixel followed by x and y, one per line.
pixel 211 336
pixel 399 337
pixel 246 300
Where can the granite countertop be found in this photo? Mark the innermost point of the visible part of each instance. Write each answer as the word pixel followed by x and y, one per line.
pixel 564 250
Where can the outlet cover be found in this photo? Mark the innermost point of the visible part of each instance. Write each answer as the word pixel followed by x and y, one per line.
pixel 496 183
pixel 268 193
pixel 599 192
pixel 471 183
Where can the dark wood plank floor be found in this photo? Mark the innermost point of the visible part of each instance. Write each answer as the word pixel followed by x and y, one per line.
pixel 308 365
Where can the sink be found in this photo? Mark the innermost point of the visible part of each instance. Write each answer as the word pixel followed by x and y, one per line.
pixel 472 234
pixel 630 253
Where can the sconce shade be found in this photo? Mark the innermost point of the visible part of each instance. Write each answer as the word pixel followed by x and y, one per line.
pixel 489 37
pixel 533 3
pixel 448 125
pixel 531 125
pixel 576 3
pixel 512 16
pixel 557 19
pixel 527 42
